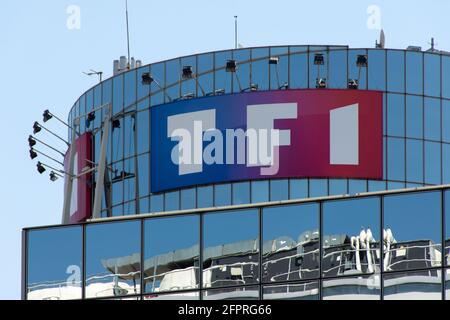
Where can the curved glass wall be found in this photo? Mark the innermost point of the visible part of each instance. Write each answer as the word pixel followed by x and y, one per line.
pixel 416 88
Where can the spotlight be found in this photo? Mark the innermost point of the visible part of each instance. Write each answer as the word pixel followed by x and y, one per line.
pixel 285 86
pixel 53 176
pixel 33 154
pixel 90 118
pixel 147 78
pixel 318 59
pixel 253 87
pixel 47 115
pixel 273 60
pixel 321 83
pixel 31 141
pixel 116 124
pixel 353 84
pixel 187 73
pixel 231 66
pixel 40 168
pixel 361 61
pixel 36 127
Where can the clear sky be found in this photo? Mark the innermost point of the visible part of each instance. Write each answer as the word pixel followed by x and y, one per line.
pixel 42 63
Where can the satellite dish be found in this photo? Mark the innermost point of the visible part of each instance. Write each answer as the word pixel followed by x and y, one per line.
pixel 382 39
pixel 240 46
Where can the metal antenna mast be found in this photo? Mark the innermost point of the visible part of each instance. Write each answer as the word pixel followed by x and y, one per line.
pixel 128 35
pixel 235 32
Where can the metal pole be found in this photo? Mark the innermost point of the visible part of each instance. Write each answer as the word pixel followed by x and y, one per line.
pixel 101 169
pixel 235 32
pixel 69 186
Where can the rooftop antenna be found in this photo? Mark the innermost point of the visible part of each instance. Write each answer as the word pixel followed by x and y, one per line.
pixel 128 34
pixel 382 42
pixel 93 72
pixel 235 32
pixel 433 44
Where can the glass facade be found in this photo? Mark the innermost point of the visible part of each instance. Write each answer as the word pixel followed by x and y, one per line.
pixel 385 245
pixel 416 107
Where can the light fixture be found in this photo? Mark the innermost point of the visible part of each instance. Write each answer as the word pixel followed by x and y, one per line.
pixel 36 127
pixel 90 118
pixel 147 78
pixel 54 176
pixel 187 73
pixel 40 168
pixel 33 154
pixel 116 124
pixel 31 141
pixel 321 83
pixel 274 60
pixel 47 115
pixel 284 86
pixel 353 84
pixel 231 66
pixel 361 61
pixel 318 59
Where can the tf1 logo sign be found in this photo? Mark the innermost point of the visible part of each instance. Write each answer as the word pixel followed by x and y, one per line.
pixel 261 135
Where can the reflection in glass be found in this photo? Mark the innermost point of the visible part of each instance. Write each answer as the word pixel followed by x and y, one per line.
pixel 396 70
pixel 279 190
pixel 241 193
pixel 231 248
pixel 447 284
pixel 292 291
pixel 447 228
pixel 291 242
pixel 192 295
pixel 242 293
pixel 352 288
pixel 412 231
pixel 351 241
pixel 260 191
pixel 417 285
pixel 171 256
pixel 54 264
pixel 414 75
pixel 113 259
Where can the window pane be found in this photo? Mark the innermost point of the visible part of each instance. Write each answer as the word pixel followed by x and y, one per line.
pixel 396 115
pixel 157 203
pixel 117 94
pixel 260 68
pixel 412 224
pixel 54 264
pixel 357 186
pixel 355 72
pixel 222 78
pixel 241 79
pixel 432 162
pixel 432 76
pixel 318 188
pixel 338 69
pixel 432 119
pixel 279 72
pixel 279 190
pixel 445 159
pixel 189 86
pixel 222 195
pixel 188 199
pixel 414 160
pixel 243 293
pixel 317 71
pixel 205 77
pixel 190 295
pixel 172 201
pixel 446 120
pixel 298 189
pixel 158 73
pixel 446 76
pixel 260 191
pixel 241 193
pixel 205 197
pixel 291 242
pixel 292 291
pixel 143 175
pixel 395 71
pixel 130 88
pixel 173 77
pixel 352 288
pixel 396 159
pixel 418 285
pixel 377 69
pixel 447 231
pixel 338 186
pixel 231 248
pixel 113 259
pixel 351 240
pixel 143 90
pixel 414 117
pixel 414 76
pixel 172 251
pixel 298 71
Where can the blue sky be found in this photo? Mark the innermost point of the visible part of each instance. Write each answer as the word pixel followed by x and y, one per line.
pixel 42 63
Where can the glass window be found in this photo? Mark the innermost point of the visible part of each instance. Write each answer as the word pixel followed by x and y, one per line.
pixel 414 160
pixel 205 197
pixel 352 288
pixel 446 76
pixel 432 162
pixel 117 139
pixel 260 68
pixel 172 251
pixel 414 117
pixel 241 193
pixel 351 240
pixel 172 201
pixel 412 231
pixel 54 263
pixel 446 120
pixel 173 77
pixel 432 119
pixel 158 74
pixel 298 189
pixel 241 79
pixel 396 159
pixel 279 72
pixel 117 94
pixel 143 175
pixel 291 242
pixel 445 159
pixel 157 203
pixel 279 190
pixel 396 115
pixel 144 205
pixel 292 291
pixel 129 180
pixel 222 195
pixel 143 134
pixel 320 70
pixel 357 186
pixel 337 69
pixel 129 208
pixel 143 90
pixel 113 259
pixel 338 186
pixel 395 71
pixel 130 88
pixel 318 188
pixel 377 185
pixel 231 248
pixel 432 74
pixel 298 70
pixel 117 183
pixel 222 78
pixel 417 285
pixel 205 65
pixel 377 69
pixel 447 284
pixel 129 123
pixel 189 86
pixel 414 75
pixel 189 295
pixel 447 232
pixel 260 191
pixel 355 72
pixel 188 199
pixel 241 293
